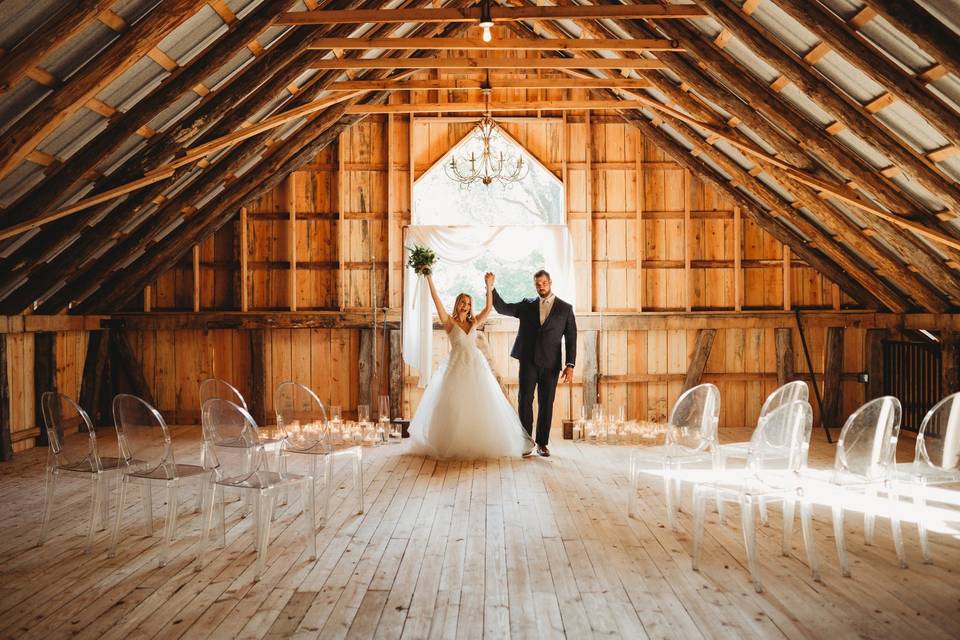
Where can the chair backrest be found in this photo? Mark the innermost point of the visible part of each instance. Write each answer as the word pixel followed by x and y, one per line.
pixel 868 441
pixel 779 444
pixel 217 388
pixel 229 425
pixel 942 452
pixel 790 392
pixel 142 436
pixel 63 417
pixel 694 418
pixel 301 417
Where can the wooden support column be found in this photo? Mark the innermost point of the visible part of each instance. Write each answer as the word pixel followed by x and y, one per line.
pixel 196 278
pixel 698 361
pixel 687 288
pixel 126 361
pixel 6 441
pixel 341 228
pixel 244 250
pixel 873 351
pixel 94 372
pixel 44 376
pixel 396 374
pixel 783 336
pixel 787 279
pixel 638 158
pixel 392 259
pixel 147 299
pixel 835 296
pixel 366 366
pixel 950 382
pixel 832 370
pixel 258 371
pixel 737 257
pixel 291 198
pixel 591 386
pixel 591 289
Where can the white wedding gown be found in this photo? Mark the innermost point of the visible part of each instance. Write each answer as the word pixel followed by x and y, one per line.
pixel 463 414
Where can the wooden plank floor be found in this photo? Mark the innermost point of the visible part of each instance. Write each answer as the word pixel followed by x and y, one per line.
pixel 506 548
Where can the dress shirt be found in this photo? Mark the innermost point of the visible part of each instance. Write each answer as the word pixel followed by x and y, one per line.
pixel 546 304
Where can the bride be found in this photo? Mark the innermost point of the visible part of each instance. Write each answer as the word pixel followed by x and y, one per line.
pixel 463 413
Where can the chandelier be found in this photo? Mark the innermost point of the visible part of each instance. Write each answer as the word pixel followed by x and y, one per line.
pixel 489 167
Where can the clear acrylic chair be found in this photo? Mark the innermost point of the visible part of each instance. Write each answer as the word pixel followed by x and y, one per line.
pixel 244 467
pixel 863 467
pixel 691 440
pixel 147 459
pixel 936 460
pixel 302 417
pixel 785 394
pixel 777 453
pixel 74 455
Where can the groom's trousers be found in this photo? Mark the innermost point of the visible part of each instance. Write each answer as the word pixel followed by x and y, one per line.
pixel 544 382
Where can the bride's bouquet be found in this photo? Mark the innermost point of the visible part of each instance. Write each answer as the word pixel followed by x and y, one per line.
pixel 421 259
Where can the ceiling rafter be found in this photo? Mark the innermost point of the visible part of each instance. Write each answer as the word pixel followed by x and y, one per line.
pixel 934 37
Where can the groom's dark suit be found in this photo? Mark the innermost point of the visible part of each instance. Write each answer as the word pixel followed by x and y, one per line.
pixel 538 349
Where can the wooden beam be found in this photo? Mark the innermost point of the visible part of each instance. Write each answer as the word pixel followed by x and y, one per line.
pixel 698 360
pixel 481 107
pixel 467 84
pixel 832 367
pixel 44 376
pixel 591 387
pixel 291 200
pixel 498 13
pixel 341 227
pixel 640 202
pixel 787 279
pixel 391 216
pixel 873 351
pixel 366 375
pixel 396 375
pixel 6 440
pixel 783 337
pixel 257 383
pixel 244 250
pixel 59 105
pixel 196 278
pixel 130 364
pixel 94 371
pixel 925 29
pixel 487 63
pixel 591 285
pixel 687 284
pixel 737 259
pixel 507 44
pixel 950 359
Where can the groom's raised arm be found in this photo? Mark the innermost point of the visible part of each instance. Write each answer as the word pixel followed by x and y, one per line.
pixel 505 308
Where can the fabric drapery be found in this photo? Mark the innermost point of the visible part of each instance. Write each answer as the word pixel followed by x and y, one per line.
pixel 463 245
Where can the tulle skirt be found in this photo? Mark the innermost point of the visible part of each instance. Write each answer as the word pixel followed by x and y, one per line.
pixel 464 415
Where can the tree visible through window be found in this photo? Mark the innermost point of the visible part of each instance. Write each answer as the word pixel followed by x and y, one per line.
pixel 535 201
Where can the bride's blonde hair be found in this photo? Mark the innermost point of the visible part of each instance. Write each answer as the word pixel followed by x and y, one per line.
pixel 456 303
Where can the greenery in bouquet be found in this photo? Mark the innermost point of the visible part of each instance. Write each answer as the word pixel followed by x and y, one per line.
pixel 421 259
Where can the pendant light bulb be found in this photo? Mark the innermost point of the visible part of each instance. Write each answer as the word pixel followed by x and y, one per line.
pixel 487 37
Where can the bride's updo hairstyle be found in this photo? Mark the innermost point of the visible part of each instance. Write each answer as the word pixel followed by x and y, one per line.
pixel 456 305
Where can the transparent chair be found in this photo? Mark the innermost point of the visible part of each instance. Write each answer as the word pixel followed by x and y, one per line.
pixel 863 467
pixel 785 394
pixel 777 453
pixel 147 459
pixel 936 460
pixel 303 420
pixel 245 467
pixel 77 455
pixel 691 440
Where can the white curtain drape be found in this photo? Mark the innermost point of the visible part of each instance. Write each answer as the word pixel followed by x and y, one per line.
pixel 463 245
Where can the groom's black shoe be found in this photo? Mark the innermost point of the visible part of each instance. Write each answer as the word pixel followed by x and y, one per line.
pixel 542 451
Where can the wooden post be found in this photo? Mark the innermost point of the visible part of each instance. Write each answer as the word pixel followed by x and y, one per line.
pixel 639 206
pixel 196 278
pixel 591 303
pixel 391 219
pixel 396 374
pixel 94 371
pixel 591 388
pixel 698 362
pixel 832 370
pixel 147 299
pixel 787 279
pixel 687 289
pixel 341 227
pixel 244 251
pixel 130 364
pixel 783 337
pixel 366 366
pixel 873 350
pixel 950 382
pixel 44 376
pixel 291 195
pixel 737 257
pixel 6 442
pixel 258 367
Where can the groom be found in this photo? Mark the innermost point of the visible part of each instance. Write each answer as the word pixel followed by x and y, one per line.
pixel 544 322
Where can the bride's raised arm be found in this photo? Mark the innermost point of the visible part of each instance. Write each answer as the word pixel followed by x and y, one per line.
pixel 444 316
pixel 488 307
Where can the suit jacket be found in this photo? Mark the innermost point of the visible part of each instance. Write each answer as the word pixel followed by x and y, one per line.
pixel 540 345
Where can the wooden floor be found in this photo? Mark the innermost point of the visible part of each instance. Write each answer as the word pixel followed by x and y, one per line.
pixel 518 548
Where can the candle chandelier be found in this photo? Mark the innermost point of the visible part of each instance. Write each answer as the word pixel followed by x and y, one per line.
pixel 490 166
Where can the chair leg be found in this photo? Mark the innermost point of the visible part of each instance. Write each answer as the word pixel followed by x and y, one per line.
pixel 788 511
pixel 721 469
pixel 668 494
pixel 358 479
pixel 699 518
pixel 147 507
pixel 222 520
pixel 327 486
pixel 764 517
pixel 750 540
pixel 171 524
pixel 633 477
pixel 282 467
pixel 105 502
pixel 206 524
pixel 806 524
pixel 265 502
pixel 920 504
pixel 869 516
pixel 50 483
pixel 310 516
pixel 202 496
pixel 121 494
pixel 895 526
pixel 96 491
pixel 838 540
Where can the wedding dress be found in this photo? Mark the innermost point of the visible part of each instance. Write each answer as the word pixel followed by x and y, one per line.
pixel 463 413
